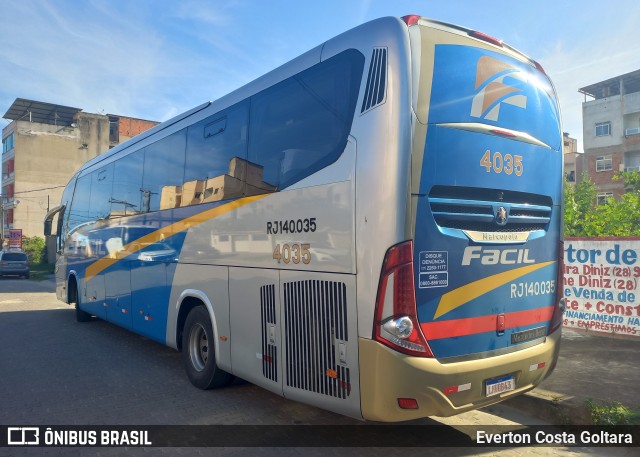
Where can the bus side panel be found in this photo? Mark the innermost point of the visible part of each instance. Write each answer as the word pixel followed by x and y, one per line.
pixel 383 132
pixel 93 296
pixel 255 326
pixel 118 295
pixel 149 297
pixel 61 274
pixel 209 285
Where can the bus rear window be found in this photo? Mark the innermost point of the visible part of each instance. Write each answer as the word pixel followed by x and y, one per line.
pixel 14 257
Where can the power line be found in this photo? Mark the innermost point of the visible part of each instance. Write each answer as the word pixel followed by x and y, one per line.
pixel 37 190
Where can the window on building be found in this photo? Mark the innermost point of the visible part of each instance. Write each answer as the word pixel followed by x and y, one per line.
pixel 603 197
pixel 7 143
pixel 603 129
pixel 604 163
pixel 571 176
pixel 114 129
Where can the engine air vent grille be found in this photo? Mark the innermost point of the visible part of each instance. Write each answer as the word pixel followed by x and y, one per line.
pixel 315 314
pixel 375 91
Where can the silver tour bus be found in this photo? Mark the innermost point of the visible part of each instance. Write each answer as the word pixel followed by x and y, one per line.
pixel 373 228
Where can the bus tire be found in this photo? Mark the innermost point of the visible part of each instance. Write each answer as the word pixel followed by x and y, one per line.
pixel 81 316
pixel 198 352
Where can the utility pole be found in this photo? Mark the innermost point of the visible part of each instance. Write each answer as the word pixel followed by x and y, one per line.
pixel 1 222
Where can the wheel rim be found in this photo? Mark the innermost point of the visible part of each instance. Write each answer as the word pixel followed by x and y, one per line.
pixel 198 347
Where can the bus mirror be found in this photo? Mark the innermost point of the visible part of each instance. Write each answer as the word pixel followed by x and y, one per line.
pixel 48 219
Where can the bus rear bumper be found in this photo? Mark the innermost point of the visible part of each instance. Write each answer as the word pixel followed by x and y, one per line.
pixel 390 376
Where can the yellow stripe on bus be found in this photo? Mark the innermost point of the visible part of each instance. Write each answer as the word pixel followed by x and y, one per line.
pixel 458 297
pixel 105 262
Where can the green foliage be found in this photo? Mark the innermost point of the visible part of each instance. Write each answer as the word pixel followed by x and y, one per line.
pixel 579 202
pixel 614 413
pixel 618 217
pixel 35 248
pixel 631 180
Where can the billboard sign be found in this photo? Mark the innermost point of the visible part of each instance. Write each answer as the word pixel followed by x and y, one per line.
pixel 15 238
pixel 601 285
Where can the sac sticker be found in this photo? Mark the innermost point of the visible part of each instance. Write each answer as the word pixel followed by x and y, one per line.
pixel 434 269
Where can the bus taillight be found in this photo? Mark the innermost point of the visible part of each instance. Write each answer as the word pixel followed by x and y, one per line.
pixel 411 19
pixel 396 320
pixel 485 37
pixel 539 67
pixel 558 310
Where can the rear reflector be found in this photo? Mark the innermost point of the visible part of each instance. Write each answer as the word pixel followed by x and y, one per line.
pixel 408 403
pixel 455 389
pixel 536 366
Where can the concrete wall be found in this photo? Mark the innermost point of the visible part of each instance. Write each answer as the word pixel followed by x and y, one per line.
pixel 46 156
pixel 603 110
pixel 631 103
pixel 571 166
pixel 569 144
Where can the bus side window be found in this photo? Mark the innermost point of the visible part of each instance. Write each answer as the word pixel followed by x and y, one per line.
pixel 79 211
pixel 127 185
pixel 63 216
pixel 215 167
pixel 101 187
pixel 163 172
pixel 301 124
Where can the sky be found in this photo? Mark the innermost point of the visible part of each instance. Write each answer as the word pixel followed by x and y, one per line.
pixel 154 59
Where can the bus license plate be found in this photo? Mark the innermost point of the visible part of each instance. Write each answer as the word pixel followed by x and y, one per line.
pixel 500 385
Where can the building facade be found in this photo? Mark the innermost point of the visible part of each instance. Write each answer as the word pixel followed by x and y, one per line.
pixel 43 146
pixel 611 131
pixel 572 159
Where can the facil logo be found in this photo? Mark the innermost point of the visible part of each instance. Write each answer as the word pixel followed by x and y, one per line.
pixel 491 90
pixel 496 256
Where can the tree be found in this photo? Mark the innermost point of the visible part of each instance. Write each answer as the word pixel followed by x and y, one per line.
pixel 579 206
pixel 35 248
pixel 583 217
pixel 631 180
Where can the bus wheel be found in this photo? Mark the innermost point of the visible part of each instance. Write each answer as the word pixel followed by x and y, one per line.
pixel 198 351
pixel 81 316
